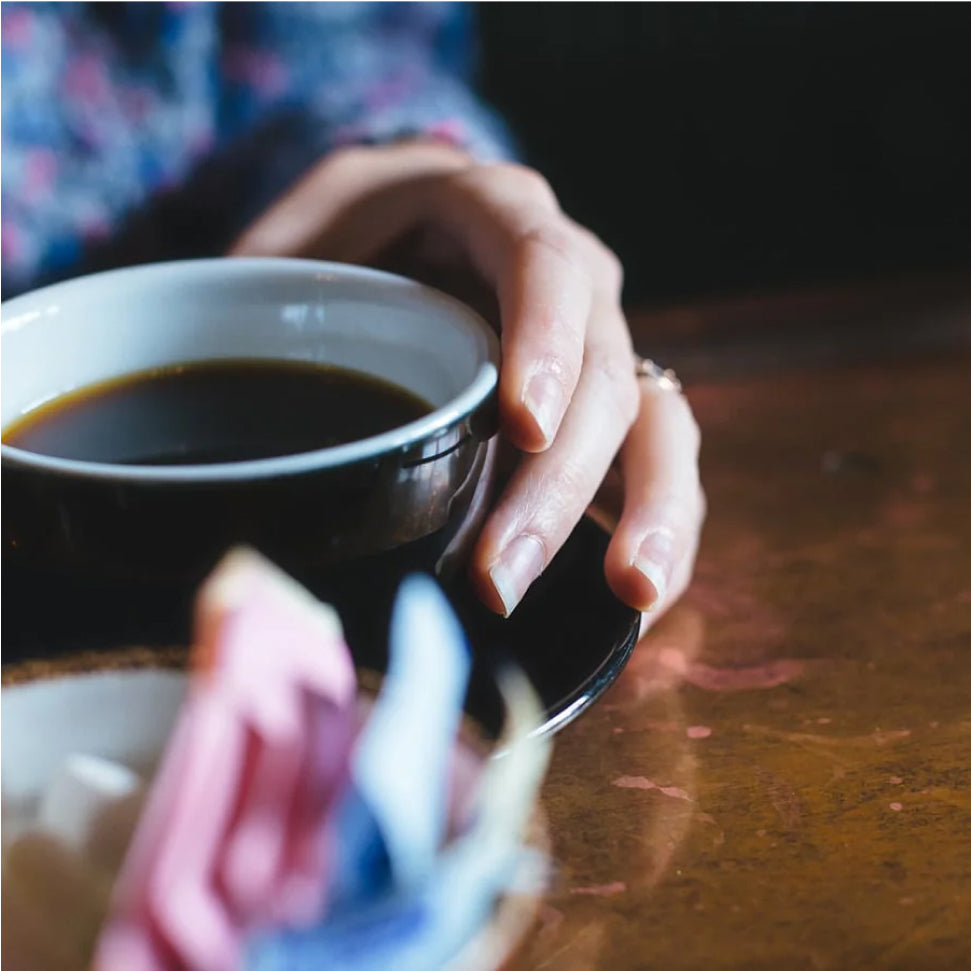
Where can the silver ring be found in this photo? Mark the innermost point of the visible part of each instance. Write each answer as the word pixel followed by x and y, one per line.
pixel 664 379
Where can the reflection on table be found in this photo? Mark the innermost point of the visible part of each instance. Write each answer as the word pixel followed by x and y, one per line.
pixel 782 775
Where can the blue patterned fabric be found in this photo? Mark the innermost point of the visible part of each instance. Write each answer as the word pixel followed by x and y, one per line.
pixel 135 131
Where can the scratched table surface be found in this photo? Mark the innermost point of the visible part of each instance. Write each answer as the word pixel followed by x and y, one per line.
pixel 781 778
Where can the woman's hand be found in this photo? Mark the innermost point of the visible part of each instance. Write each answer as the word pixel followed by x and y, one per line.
pixel 569 399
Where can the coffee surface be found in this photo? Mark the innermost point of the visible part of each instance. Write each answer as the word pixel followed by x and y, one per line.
pixel 215 411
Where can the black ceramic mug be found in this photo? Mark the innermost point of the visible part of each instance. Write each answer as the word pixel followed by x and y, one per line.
pixel 98 554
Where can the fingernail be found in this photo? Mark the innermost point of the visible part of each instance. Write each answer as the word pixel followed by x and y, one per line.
pixel 653 559
pixel 545 400
pixel 520 563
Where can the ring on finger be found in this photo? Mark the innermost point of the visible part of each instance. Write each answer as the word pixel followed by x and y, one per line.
pixel 663 379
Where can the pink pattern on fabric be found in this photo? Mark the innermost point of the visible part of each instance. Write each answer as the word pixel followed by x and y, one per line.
pixel 11 243
pixel 137 103
pixel 264 72
pixel 40 170
pixel 130 104
pixel 95 228
pixel 388 92
pixel 451 130
pixel 86 78
pixel 18 28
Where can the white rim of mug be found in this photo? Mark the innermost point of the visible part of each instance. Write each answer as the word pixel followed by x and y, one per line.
pixel 397 439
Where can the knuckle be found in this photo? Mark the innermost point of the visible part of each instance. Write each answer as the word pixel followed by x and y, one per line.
pixel 524 186
pixel 549 237
pixel 608 267
pixel 528 180
pixel 612 269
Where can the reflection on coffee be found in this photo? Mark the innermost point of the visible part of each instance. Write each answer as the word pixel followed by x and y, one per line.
pixel 215 411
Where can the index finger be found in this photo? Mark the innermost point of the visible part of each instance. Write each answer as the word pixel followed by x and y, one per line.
pixel 513 231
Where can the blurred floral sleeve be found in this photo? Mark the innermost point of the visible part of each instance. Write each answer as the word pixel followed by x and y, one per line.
pixel 136 132
pixel 358 73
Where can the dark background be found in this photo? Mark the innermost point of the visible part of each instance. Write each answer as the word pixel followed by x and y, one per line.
pixel 723 148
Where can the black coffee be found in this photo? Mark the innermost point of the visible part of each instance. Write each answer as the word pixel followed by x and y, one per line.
pixel 215 411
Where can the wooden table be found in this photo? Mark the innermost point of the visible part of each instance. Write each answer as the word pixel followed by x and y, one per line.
pixel 781 778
